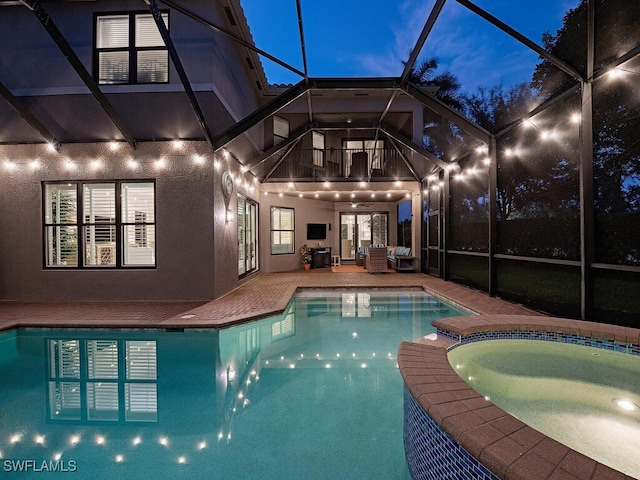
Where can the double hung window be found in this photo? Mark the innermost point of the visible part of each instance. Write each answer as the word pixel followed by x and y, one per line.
pixel 129 49
pixel 282 230
pixel 99 224
pixel 280 130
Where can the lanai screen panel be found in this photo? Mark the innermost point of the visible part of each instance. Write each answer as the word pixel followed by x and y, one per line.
pixel 616 165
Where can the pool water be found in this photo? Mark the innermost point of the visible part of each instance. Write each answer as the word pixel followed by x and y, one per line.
pixel 571 393
pixel 312 393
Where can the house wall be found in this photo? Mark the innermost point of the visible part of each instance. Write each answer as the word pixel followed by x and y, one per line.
pixel 312 211
pixel 225 239
pixel 306 211
pixel 196 248
pixel 184 226
pixel 34 69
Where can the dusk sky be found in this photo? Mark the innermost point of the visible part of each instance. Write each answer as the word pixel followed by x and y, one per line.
pixel 371 38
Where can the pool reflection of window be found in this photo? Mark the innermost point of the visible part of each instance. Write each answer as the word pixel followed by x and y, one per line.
pixel 284 328
pixel 102 380
pixel 356 304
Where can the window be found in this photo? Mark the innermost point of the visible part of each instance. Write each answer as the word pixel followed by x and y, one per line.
pixel 280 130
pixel 318 149
pixel 282 231
pixel 101 224
pixel 130 49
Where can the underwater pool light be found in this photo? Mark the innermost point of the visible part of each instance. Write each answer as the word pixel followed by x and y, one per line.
pixel 625 404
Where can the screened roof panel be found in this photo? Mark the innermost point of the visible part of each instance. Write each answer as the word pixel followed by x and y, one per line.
pixel 532 18
pixel 477 52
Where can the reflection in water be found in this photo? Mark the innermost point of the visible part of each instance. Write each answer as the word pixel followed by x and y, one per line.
pixel 314 391
pixel 118 378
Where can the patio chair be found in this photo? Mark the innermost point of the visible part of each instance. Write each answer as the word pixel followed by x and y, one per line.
pixel 376 260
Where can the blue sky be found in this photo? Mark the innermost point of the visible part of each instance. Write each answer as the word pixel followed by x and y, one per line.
pixel 371 38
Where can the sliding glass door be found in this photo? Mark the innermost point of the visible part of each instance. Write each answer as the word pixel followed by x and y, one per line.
pixel 358 230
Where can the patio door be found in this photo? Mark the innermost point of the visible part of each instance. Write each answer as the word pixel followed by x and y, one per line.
pixel 247 236
pixel 358 230
pixel 432 232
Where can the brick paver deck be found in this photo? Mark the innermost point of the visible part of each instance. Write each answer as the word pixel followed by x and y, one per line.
pixel 263 295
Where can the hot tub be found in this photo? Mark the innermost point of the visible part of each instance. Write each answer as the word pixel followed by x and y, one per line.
pixel 455 429
pixel 585 397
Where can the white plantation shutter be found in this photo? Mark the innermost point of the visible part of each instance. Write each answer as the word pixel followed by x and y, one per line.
pixel 147 33
pixel 141 398
pixel 60 216
pixel 102 401
pixel 138 218
pixel 64 400
pixel 282 230
pixel 280 129
pixel 112 31
pixel 284 328
pixel 118 48
pixel 64 359
pixel 141 360
pixel 119 380
pixel 64 363
pixel 102 359
pixel 99 209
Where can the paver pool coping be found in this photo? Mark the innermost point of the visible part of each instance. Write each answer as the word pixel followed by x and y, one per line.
pixel 262 295
pixel 505 445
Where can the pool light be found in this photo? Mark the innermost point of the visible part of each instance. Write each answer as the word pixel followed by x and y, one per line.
pixel 202 445
pixel 626 404
pixel 119 459
pixel 136 441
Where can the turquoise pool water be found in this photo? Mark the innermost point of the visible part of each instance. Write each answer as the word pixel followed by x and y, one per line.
pixel 586 398
pixel 313 393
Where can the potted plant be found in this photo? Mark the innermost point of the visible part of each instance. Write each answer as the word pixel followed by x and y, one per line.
pixel 305 252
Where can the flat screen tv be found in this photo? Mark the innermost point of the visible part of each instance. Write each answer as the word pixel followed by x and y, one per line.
pixel 316 231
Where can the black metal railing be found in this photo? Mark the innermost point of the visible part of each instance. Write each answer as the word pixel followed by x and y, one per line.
pixel 342 164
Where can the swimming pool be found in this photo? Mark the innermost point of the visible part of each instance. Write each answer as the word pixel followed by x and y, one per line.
pixel 312 393
pixel 586 398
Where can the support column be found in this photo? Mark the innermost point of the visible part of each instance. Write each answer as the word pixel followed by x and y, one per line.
pixel 444 219
pixel 493 214
pixel 586 175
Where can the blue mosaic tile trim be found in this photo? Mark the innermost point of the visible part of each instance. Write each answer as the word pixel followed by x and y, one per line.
pixel 431 453
pixel 447 334
pixel 546 336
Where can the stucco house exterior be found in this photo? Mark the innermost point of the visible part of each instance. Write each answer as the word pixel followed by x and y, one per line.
pixel 142 164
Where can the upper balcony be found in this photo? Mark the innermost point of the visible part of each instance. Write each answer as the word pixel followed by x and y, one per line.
pixel 336 164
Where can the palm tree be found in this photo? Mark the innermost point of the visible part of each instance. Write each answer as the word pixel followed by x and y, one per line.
pixel 440 137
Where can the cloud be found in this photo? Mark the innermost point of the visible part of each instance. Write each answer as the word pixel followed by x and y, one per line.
pixel 478 53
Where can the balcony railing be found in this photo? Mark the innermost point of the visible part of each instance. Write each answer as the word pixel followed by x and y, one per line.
pixel 342 164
